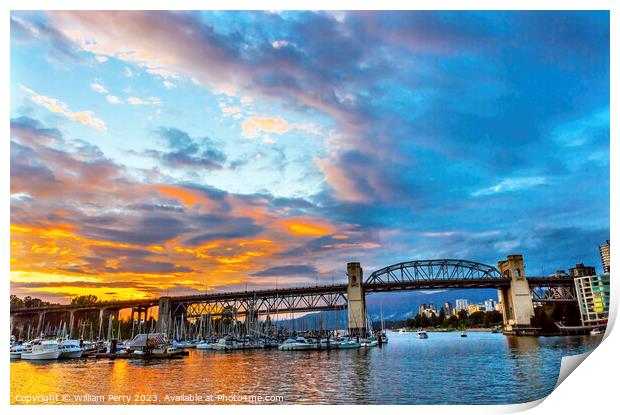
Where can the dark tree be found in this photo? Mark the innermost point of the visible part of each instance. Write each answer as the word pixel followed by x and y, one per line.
pixel 84 300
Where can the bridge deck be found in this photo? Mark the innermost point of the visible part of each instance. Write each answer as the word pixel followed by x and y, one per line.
pixel 305 291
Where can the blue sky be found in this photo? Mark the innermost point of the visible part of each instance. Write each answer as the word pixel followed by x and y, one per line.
pixel 182 151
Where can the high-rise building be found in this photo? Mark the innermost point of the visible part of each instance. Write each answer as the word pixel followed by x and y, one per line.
pixel 604 250
pixel 447 308
pixel 461 304
pixel 581 270
pixel 490 305
pixel 422 309
pixel 593 296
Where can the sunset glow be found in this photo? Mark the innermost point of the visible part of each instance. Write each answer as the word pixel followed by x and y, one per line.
pixel 178 152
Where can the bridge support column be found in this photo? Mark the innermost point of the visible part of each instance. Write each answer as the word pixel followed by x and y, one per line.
pixel 517 306
pixel 356 300
pixel 163 315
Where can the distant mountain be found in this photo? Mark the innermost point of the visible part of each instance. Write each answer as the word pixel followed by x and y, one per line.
pixel 396 306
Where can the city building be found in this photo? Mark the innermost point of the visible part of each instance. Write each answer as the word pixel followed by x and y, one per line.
pixel 593 296
pixel 490 305
pixel 461 304
pixel 604 250
pixel 581 270
pixel 472 308
pixel 559 274
pixel 447 308
pixel 427 311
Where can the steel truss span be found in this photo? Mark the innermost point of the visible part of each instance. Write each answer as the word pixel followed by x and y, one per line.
pixel 552 294
pixel 435 270
pixel 264 305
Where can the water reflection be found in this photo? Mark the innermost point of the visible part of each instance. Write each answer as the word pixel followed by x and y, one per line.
pixel 487 368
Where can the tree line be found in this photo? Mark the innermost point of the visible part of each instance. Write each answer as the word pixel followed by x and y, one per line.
pixel 476 319
pixel 30 302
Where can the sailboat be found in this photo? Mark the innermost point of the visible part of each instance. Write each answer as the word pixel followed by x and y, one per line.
pixel 370 340
pixel 383 335
pixel 463 332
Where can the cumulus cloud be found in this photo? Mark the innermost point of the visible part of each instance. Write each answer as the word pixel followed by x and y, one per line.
pixel 253 127
pixel 144 101
pixel 98 88
pixel 59 107
pixel 185 151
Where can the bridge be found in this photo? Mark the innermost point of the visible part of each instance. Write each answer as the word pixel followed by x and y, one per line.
pixel 517 294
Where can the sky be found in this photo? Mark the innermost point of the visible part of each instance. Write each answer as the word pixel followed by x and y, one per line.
pixel 169 153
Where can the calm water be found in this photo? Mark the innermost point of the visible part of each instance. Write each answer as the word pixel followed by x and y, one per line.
pixel 483 368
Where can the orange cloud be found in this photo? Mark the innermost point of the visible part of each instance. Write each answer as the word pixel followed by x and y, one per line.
pixel 300 228
pixel 188 197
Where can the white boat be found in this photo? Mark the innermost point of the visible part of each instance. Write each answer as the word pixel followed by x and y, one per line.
pixel 402 331
pixel 203 345
pixel 298 343
pixel 184 344
pixel 597 332
pixel 369 342
pixel 384 338
pixel 347 344
pixel 70 349
pixel 421 334
pixel 17 350
pixel 43 350
pixel 226 343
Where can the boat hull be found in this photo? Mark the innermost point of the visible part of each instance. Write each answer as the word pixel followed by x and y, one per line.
pixel 46 355
pixel 351 345
pixel 71 354
pixel 296 347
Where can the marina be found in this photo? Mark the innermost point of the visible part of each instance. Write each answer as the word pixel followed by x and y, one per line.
pixel 500 364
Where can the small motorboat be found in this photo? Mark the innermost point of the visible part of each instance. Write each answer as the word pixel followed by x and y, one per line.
pixel 17 350
pixel 347 344
pixel 597 332
pixel 463 333
pixel 384 338
pixel 70 349
pixel 369 342
pixel 298 343
pixel 43 350
pixel 203 345
pixel 226 343
pixel 185 344
pixel 421 334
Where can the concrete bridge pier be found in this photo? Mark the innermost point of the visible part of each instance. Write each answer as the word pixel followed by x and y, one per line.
pixel 356 300
pixel 517 306
pixel 163 315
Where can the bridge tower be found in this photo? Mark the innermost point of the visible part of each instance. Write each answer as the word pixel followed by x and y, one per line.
pixel 356 300
pixel 163 315
pixel 517 307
